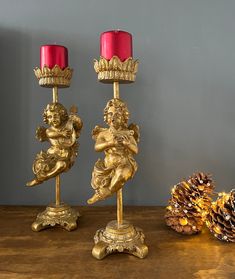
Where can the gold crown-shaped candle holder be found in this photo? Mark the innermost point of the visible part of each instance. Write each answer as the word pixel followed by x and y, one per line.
pixel 115 70
pixel 119 142
pixel 62 134
pixel 55 77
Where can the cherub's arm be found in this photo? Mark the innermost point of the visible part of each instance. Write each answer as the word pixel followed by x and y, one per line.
pixel 99 135
pixel 41 133
pixel 131 144
pixel 53 134
pixel 102 144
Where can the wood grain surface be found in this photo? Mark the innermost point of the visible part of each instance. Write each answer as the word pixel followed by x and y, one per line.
pixel 55 253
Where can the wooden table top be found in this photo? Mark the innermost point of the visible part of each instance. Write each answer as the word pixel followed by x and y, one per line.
pixel 55 253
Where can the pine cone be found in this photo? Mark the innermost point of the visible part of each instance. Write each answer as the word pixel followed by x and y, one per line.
pixel 221 217
pixel 189 203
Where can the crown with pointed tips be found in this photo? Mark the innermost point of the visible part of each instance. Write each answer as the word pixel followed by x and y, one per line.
pixel 115 70
pixel 53 77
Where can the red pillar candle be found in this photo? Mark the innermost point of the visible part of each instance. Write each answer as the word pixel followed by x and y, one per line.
pixel 51 55
pixel 116 42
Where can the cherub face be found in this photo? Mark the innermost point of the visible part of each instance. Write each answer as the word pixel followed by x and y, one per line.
pixel 114 118
pixel 54 119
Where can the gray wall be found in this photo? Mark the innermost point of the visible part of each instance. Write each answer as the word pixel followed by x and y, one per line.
pixel 183 98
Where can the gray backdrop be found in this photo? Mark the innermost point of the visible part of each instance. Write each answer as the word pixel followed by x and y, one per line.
pixel 183 98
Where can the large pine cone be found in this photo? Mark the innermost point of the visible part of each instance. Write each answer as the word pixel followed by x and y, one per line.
pixel 189 202
pixel 221 217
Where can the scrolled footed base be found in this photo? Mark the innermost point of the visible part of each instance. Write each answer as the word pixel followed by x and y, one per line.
pixel 62 215
pixel 123 239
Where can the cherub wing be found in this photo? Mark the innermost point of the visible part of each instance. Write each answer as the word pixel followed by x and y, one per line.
pixel 135 128
pixel 73 109
pixel 76 120
pixel 41 133
pixel 96 131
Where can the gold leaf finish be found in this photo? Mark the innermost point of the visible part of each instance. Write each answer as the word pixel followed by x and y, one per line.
pixel 118 141
pixel 62 215
pixel 125 238
pixel 62 134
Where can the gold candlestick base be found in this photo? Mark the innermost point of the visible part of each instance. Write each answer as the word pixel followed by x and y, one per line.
pixel 123 239
pixel 62 215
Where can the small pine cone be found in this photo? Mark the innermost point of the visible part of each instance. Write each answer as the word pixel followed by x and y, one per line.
pixel 188 204
pixel 182 223
pixel 221 217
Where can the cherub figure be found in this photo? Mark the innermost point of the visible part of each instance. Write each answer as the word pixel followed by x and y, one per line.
pixel 62 134
pixel 119 143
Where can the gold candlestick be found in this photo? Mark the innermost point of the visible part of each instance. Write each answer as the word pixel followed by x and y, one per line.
pixel 119 142
pixel 63 133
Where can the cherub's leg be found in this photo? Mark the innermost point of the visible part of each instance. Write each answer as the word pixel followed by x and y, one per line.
pixel 122 174
pixel 40 178
pixel 58 168
pixel 100 194
pixel 94 199
pixel 33 182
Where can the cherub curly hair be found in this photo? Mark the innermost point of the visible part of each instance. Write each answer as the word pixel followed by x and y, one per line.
pixel 55 107
pixel 120 106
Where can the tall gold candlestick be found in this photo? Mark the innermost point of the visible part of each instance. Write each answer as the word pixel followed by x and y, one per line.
pixel 119 142
pixel 63 133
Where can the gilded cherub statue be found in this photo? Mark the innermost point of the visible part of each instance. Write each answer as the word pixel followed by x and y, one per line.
pixel 119 143
pixel 62 134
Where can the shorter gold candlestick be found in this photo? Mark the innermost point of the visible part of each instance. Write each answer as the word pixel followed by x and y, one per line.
pixel 62 134
pixel 119 142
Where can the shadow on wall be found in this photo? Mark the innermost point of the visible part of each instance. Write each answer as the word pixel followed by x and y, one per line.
pixel 14 57
pixel 140 96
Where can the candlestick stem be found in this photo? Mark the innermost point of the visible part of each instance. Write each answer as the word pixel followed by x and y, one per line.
pixel 57 189
pixel 116 94
pixel 55 94
pixel 119 208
